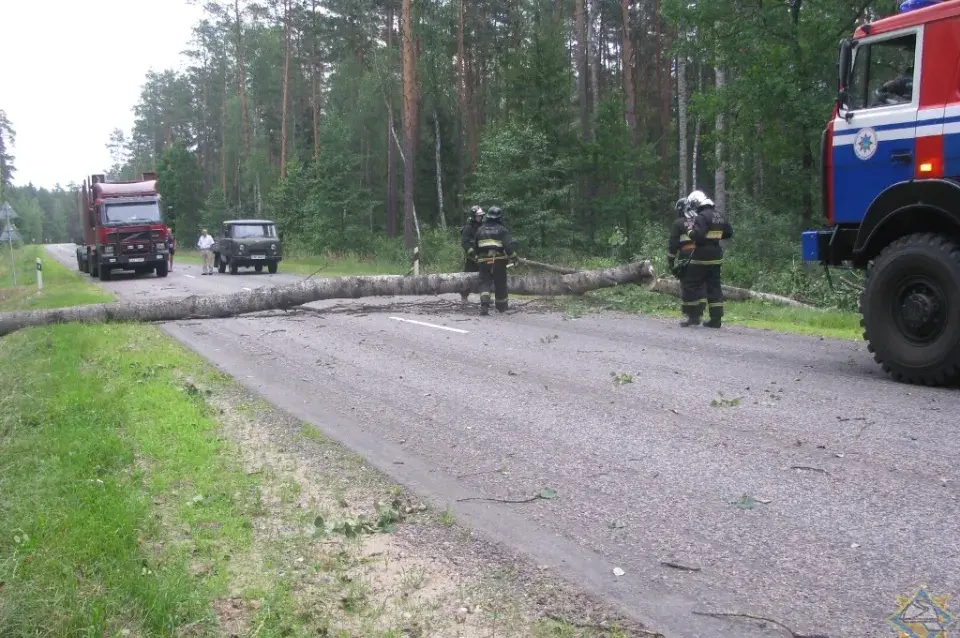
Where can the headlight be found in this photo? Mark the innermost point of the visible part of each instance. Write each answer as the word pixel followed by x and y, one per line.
pixel 108 250
pixel 242 248
pixel 273 246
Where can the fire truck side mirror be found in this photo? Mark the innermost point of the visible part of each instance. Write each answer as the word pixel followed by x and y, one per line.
pixel 843 69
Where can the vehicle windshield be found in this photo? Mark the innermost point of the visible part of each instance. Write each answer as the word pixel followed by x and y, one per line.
pixel 261 231
pixel 131 212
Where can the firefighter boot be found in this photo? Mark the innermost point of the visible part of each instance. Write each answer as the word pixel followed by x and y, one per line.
pixel 691 320
pixel 501 304
pixel 485 303
pixel 716 316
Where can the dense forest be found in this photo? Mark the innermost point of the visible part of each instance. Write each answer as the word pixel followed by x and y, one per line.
pixel 369 126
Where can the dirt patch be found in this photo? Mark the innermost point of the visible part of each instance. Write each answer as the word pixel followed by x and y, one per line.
pixel 361 556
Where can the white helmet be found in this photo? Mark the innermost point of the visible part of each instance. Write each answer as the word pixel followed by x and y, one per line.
pixel 695 201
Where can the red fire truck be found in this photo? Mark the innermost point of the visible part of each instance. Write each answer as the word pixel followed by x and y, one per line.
pixel 122 226
pixel 891 187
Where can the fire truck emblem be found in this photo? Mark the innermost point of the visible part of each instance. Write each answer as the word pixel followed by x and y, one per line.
pixel 865 144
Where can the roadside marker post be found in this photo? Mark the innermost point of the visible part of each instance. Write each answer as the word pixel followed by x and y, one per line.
pixel 39 275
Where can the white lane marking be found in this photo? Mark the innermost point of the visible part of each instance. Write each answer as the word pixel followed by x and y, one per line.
pixel 190 276
pixel 430 325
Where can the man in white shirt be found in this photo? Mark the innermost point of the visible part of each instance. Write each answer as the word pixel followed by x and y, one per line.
pixel 205 244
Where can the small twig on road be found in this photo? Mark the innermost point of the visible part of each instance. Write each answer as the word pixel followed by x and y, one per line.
pixel 460 476
pixel 498 500
pixel 270 332
pixel 865 426
pixel 322 268
pixel 844 419
pixel 807 467
pixel 667 563
pixel 792 633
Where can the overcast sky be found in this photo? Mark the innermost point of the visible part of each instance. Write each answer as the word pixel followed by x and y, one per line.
pixel 72 72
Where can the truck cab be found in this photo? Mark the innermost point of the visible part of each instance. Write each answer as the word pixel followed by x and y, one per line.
pixel 245 243
pixel 123 227
pixel 890 157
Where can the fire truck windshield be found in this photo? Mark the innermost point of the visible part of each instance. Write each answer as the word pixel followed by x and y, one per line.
pixel 127 212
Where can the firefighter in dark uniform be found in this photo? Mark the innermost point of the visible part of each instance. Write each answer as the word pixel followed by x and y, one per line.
pixel 468 242
pixel 702 279
pixel 680 247
pixel 494 248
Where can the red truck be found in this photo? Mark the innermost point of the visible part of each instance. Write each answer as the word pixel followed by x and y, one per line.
pixel 123 227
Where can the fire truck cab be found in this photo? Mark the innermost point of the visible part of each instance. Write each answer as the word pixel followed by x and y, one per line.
pixel 890 159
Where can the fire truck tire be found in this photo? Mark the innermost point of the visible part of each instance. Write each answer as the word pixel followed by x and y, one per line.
pixel 104 273
pixel 221 266
pixel 910 308
pixel 233 268
pixel 272 267
pixel 162 269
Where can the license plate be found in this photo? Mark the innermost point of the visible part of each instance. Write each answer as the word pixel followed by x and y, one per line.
pixel 136 260
pixel 258 256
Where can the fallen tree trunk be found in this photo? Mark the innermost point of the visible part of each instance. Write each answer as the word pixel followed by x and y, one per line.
pixel 303 292
pixel 672 287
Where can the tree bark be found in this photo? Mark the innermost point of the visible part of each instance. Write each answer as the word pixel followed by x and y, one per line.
pixel 242 78
pixel 391 153
pixel 285 88
pixel 682 123
pixel 593 38
pixel 630 98
pixel 720 175
pixel 310 290
pixel 409 123
pixel 437 146
pixel 582 69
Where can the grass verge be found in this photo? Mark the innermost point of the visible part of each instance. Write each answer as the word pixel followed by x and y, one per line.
pixel 320 266
pixel 144 494
pixel 754 314
pixel 61 286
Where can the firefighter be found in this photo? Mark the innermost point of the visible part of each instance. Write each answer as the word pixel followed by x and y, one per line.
pixel 703 285
pixel 494 248
pixel 681 246
pixel 467 242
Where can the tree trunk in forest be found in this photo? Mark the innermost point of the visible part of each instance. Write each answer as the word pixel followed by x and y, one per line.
pixel 593 38
pixel 310 290
pixel 436 135
pixel 391 156
pixel 682 123
pixel 315 73
pixel 694 164
pixel 461 104
pixel 720 179
pixel 242 78
pixel 409 123
pixel 285 84
pixel 630 98
pixel 582 69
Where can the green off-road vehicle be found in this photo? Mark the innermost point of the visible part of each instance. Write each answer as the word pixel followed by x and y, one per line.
pixel 246 243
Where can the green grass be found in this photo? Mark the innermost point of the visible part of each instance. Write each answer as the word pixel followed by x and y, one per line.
pixel 113 484
pixel 319 266
pixel 754 314
pixel 61 286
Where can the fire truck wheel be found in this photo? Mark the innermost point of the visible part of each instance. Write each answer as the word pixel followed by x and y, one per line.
pixel 911 309
pixel 272 267
pixel 104 273
pixel 221 266
pixel 162 269
pixel 233 267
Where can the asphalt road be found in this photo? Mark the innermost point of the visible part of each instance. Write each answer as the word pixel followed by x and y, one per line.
pixel 646 472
